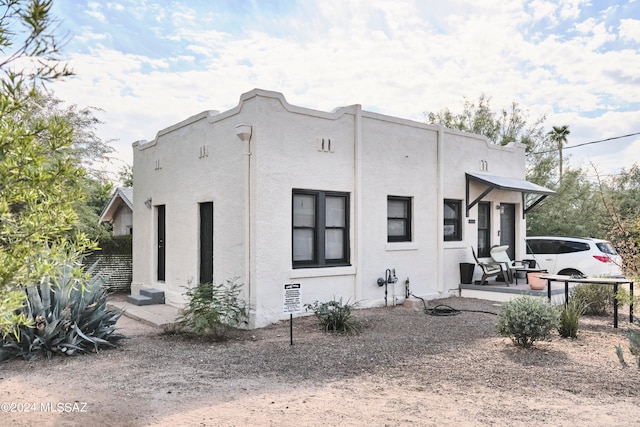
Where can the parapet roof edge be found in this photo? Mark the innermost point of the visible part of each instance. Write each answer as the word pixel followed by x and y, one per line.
pixel 215 116
pixel 195 118
pixel 255 93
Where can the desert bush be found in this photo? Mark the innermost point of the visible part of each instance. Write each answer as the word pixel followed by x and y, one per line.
pixel 569 317
pixel 334 316
pixel 624 298
pixel 527 319
pixel 595 298
pixel 634 345
pixel 214 309
pixel 65 317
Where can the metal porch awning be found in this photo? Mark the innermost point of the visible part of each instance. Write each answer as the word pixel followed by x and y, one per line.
pixel 508 184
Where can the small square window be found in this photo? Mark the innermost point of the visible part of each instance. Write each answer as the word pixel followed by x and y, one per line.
pixel 398 219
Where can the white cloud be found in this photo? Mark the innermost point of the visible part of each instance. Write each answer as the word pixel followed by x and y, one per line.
pixel 115 6
pixel 94 11
pixel 630 30
pixel 396 60
pixel 543 9
pixel 570 9
pixel 95 14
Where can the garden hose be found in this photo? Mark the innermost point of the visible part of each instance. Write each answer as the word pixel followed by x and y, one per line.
pixel 445 310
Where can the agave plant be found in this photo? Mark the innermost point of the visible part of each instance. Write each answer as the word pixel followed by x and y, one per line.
pixel 66 318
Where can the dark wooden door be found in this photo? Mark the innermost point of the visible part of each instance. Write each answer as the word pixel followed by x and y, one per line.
pixel 161 242
pixel 508 227
pixel 206 242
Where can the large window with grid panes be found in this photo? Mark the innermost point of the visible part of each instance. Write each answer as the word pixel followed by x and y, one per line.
pixel 320 228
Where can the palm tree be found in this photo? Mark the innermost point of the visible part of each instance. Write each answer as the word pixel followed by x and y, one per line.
pixel 559 135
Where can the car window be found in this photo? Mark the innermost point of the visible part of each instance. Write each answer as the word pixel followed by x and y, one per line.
pixel 542 246
pixel 567 247
pixel 532 246
pixel 606 248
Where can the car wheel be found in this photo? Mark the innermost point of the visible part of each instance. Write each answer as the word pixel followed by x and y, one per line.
pixel 570 272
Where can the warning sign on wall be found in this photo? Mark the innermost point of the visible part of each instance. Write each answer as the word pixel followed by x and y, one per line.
pixel 292 298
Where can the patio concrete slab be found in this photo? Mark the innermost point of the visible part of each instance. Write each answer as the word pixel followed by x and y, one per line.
pixel 500 292
pixel 158 315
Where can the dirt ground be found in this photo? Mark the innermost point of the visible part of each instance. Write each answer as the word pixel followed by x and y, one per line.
pixel 404 368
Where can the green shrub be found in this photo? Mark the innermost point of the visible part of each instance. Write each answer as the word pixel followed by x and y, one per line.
pixel 634 346
pixel 569 317
pixel 527 319
pixel 334 316
pixel 624 298
pixel 214 310
pixel 116 245
pixel 595 298
pixel 63 318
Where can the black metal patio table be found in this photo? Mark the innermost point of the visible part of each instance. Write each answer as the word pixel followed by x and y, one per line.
pixel 596 281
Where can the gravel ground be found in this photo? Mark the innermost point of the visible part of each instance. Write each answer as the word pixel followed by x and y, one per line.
pixel 404 368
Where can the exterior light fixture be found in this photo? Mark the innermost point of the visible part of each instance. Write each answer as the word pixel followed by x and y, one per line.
pixel 244 132
pixel 147 202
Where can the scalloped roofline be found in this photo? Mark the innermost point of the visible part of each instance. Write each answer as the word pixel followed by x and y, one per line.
pixel 213 116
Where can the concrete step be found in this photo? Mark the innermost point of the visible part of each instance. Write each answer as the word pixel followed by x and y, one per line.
pixel 156 295
pixel 139 300
pixel 157 315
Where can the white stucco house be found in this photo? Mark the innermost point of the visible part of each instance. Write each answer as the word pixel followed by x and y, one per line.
pixel 119 211
pixel 277 194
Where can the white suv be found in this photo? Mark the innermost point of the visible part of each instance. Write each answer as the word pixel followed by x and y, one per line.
pixel 575 256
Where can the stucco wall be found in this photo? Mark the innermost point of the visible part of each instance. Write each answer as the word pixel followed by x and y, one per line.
pixel 398 158
pixel 287 154
pixel 122 220
pixel 472 153
pixel 187 165
pixel 250 183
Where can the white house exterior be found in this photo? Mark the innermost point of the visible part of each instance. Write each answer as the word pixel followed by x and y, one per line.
pixel 274 194
pixel 119 211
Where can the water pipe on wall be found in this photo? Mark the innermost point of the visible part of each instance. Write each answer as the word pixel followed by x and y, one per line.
pixel 389 277
pixel 407 293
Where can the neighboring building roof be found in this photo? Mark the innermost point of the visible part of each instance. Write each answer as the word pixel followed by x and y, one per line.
pixel 122 195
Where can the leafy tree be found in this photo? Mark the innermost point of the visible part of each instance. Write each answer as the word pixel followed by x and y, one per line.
pixel 559 135
pixel 575 209
pixel 509 125
pixel 620 196
pixel 125 175
pixel 89 150
pixel 27 36
pixel 96 196
pixel 40 178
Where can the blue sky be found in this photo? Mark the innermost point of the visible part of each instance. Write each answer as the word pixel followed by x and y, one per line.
pixel 151 63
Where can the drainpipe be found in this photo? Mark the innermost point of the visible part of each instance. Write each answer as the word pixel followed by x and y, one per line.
pixel 357 171
pixel 440 210
pixel 244 132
